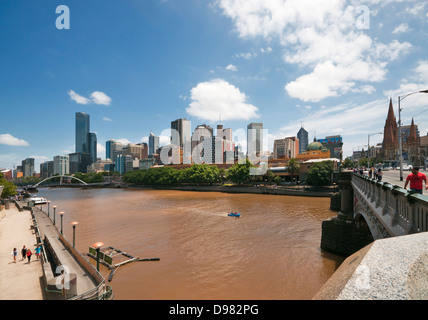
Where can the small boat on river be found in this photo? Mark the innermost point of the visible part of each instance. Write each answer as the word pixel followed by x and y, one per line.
pixel 234 214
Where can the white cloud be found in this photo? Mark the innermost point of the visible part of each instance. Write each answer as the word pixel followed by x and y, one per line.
pixel 321 36
pixel 218 97
pixel 246 55
pixel 107 119
pixel 78 98
pixel 10 140
pixel 404 27
pixel 231 67
pixel 99 97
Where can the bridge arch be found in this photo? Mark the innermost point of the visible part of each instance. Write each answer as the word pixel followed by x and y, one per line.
pixel 60 176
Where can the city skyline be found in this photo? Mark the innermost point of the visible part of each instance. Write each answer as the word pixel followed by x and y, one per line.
pixel 135 67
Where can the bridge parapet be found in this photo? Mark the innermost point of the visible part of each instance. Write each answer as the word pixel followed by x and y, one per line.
pixel 389 210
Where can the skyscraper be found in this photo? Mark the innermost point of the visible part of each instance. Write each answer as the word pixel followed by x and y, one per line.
pixel 180 132
pixel 302 135
pixel 86 142
pixel 28 167
pixel 93 146
pixel 255 139
pixel 153 143
pixel 82 132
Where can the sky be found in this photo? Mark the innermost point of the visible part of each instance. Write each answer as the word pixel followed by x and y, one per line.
pixel 134 66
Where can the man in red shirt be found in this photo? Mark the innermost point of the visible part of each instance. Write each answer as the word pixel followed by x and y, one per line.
pixel 416 178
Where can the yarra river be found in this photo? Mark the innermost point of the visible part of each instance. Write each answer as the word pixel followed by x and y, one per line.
pixel 271 252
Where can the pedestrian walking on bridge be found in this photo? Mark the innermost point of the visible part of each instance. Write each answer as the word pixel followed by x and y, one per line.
pixel 416 180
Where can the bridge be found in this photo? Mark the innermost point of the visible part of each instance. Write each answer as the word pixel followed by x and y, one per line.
pixel 371 210
pixel 61 179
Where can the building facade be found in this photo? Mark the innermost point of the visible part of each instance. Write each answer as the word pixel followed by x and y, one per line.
pixel 286 148
pixel 61 165
pixel 255 139
pixel 153 144
pixel 86 141
pixel 303 137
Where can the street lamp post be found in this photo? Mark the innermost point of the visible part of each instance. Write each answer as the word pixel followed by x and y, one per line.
pixel 61 214
pixel 48 207
pixel 54 207
pixel 74 224
pixel 400 138
pixel 98 246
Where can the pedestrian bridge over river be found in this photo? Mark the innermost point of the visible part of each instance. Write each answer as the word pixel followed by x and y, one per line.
pixel 372 210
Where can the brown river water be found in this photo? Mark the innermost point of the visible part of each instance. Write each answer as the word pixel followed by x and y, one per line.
pixel 271 252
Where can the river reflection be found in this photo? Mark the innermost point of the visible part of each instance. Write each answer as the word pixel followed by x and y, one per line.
pixel 271 252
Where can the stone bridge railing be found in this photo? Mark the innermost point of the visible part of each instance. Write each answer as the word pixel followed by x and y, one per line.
pixel 372 210
pixel 389 210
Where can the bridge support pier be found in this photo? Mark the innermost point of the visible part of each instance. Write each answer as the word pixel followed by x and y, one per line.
pixel 343 235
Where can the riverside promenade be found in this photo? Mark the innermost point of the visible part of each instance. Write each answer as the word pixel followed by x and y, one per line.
pixel 20 280
pixel 37 280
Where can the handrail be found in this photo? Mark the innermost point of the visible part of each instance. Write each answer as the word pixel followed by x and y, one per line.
pixel 400 211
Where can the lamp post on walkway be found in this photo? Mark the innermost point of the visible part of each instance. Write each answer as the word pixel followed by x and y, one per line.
pixel 98 246
pixel 400 138
pixel 61 214
pixel 54 207
pixel 74 224
pixel 48 207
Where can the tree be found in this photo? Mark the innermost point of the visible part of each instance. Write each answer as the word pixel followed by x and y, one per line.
pixel 293 166
pixel 240 172
pixel 320 174
pixel 9 187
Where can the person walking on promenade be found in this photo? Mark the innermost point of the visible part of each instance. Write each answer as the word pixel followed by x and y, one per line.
pixel 14 254
pixel 29 253
pixel 416 180
pixel 23 252
pixel 37 251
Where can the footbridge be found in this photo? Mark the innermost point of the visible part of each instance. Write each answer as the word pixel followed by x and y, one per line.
pixel 371 210
pixel 60 181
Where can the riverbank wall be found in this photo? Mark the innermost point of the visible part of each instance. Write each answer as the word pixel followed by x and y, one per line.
pixel 288 191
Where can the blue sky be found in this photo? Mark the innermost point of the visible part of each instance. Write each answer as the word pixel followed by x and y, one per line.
pixel 137 65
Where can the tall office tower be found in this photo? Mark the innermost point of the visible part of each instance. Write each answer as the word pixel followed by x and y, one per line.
pixel 61 165
pixel 93 146
pixel 286 148
pixel 79 162
pixel 302 135
pixel 109 145
pixel 255 139
pixel 86 142
pixel 82 132
pixel 200 134
pixel 28 167
pixel 180 132
pixel 46 169
pixel 153 144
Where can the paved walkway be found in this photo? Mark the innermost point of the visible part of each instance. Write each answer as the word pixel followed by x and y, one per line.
pixel 20 280
pixel 47 228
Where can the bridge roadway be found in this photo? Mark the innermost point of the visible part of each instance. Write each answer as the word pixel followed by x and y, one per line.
pixel 85 281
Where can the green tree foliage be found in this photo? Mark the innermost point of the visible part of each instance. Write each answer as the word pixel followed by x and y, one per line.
pixel 9 187
pixel 320 174
pixel 239 173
